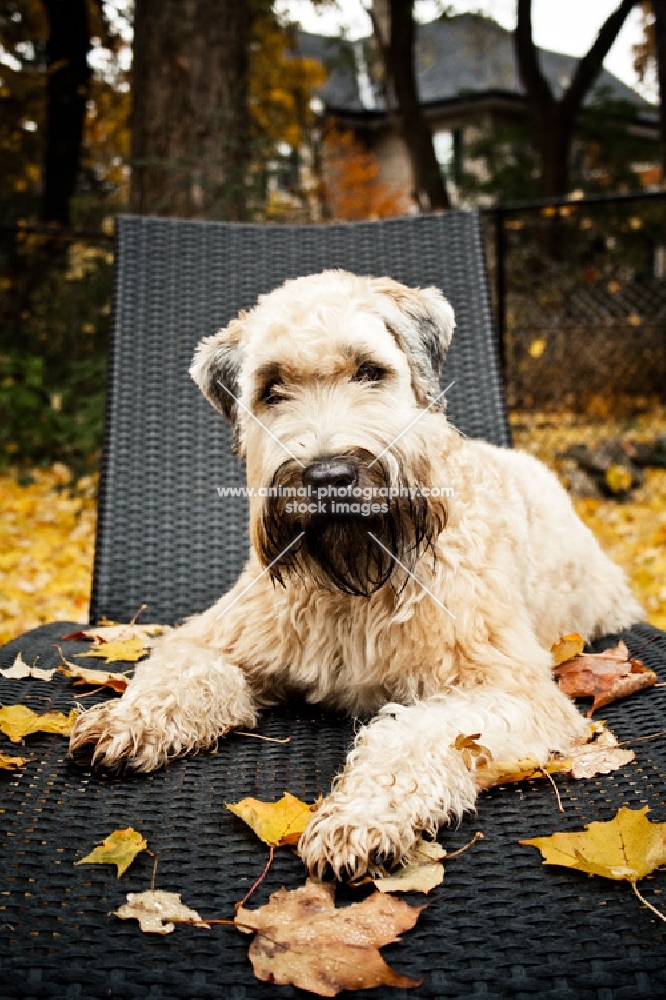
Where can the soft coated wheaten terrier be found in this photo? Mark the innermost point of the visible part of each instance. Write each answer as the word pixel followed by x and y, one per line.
pixel 396 568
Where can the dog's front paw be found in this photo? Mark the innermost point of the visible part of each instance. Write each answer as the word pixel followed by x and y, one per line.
pixel 349 839
pixel 117 735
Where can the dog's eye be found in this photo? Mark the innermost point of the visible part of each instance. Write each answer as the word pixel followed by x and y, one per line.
pixel 272 393
pixel 368 373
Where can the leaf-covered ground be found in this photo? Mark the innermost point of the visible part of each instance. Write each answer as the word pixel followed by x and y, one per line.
pixel 47 541
pixel 47 535
pixel 632 532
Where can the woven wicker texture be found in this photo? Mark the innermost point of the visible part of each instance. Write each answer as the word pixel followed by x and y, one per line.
pixel 500 925
pixel 165 537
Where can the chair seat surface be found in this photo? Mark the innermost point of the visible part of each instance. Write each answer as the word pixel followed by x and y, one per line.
pixel 500 925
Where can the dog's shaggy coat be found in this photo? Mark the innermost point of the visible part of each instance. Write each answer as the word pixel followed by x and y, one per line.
pixel 437 612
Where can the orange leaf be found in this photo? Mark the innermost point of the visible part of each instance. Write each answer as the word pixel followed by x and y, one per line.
pixel 603 676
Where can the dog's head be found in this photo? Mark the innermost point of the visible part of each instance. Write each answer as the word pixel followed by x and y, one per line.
pixel 324 382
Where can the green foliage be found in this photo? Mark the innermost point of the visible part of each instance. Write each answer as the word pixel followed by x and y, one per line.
pixel 503 161
pixel 54 324
pixel 605 158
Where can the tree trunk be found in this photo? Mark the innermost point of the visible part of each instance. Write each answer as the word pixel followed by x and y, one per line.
pixel 555 120
pixel 68 83
pixel 190 131
pixel 659 8
pixel 395 19
pixel 555 154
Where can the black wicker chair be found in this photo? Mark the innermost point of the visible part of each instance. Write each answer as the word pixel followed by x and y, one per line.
pixel 501 924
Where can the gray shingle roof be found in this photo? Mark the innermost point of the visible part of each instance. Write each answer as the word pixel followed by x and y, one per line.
pixel 466 55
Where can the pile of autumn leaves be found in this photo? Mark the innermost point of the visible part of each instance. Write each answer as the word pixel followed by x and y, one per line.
pixel 300 937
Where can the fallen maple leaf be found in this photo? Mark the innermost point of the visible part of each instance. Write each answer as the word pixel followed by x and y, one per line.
pixel 20 669
pixel 603 676
pixel 120 848
pixel 421 872
pixel 8 763
pixel 17 721
pixel 113 633
pixel 100 678
pixel 628 847
pixel 276 823
pixel 600 756
pixel 302 940
pixel 158 911
pixel 567 647
pixel 122 649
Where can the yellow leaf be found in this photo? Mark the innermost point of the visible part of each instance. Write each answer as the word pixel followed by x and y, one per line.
pixel 421 872
pixel 121 649
pixel 157 911
pixel 566 648
pixel 120 848
pixel 276 823
pixel 618 478
pixel 17 721
pixel 503 772
pixel 8 763
pixel 536 348
pixel 627 847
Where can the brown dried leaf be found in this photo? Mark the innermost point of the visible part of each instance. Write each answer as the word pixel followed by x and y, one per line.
pixel 157 911
pixel 601 756
pixel 474 754
pixel 604 676
pixel 302 940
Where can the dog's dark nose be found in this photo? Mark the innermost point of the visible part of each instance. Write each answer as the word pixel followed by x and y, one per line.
pixel 338 473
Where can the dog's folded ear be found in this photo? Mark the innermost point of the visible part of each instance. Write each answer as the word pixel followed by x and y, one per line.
pixel 422 322
pixel 215 369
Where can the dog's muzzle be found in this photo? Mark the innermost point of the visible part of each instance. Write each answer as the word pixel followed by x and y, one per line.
pixel 357 524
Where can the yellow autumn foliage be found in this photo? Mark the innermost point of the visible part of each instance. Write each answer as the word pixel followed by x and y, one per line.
pixel 632 532
pixel 47 543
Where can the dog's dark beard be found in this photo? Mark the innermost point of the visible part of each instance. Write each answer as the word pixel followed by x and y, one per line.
pixel 338 550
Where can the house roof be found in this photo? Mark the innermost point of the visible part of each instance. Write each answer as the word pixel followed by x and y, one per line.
pixel 466 56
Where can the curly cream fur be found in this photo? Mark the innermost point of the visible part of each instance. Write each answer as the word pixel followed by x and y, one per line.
pixel 514 569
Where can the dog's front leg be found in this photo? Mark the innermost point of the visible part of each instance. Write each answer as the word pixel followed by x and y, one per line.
pixel 404 777
pixel 181 699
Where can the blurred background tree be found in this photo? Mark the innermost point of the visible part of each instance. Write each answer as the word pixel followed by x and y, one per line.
pixel 226 109
pixel 554 118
